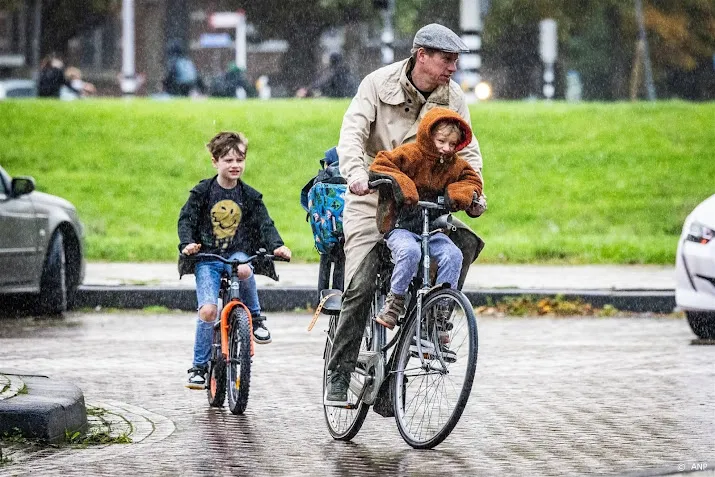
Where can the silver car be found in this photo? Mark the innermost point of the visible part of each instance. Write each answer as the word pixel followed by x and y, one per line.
pixel 41 245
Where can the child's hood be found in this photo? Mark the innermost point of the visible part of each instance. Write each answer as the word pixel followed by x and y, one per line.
pixel 424 136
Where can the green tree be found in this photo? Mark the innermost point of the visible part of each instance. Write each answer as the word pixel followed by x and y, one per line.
pixel 300 23
pixel 598 39
pixel 62 20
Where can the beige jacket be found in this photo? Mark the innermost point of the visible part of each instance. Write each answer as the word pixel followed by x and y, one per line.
pixel 384 114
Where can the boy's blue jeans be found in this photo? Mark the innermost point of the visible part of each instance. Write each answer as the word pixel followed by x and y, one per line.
pixel 406 251
pixel 208 281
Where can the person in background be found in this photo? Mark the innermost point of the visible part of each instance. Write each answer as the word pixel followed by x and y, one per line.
pixel 337 81
pixel 78 88
pixel 52 78
pixel 182 78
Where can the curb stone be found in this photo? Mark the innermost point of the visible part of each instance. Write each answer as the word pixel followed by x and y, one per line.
pixel 48 409
pixel 292 298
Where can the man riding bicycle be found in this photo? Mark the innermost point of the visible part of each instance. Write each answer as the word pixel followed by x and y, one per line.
pixel 385 113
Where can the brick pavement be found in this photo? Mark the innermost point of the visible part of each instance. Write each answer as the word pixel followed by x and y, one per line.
pixel 551 397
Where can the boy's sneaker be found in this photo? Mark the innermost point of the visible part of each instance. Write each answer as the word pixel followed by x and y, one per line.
pixel 336 389
pixel 261 335
pixel 392 309
pixel 197 377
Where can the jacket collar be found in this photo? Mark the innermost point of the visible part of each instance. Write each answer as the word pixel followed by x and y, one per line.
pixel 397 88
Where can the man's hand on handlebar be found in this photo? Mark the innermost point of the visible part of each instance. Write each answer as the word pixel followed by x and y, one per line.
pixel 360 187
pixel 478 206
pixel 283 252
pixel 191 249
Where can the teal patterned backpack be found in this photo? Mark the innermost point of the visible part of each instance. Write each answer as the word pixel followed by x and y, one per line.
pixel 323 198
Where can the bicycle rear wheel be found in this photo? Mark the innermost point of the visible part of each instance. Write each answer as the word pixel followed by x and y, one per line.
pixel 238 376
pixel 430 395
pixel 344 422
pixel 216 388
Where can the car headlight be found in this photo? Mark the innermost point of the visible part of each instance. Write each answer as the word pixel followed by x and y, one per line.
pixel 699 233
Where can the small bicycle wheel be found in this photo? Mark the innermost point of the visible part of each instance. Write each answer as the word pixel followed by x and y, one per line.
pixel 238 376
pixel 216 388
pixel 430 394
pixel 344 422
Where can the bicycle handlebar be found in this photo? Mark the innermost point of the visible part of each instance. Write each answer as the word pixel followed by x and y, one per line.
pixel 377 183
pixel 425 204
pixel 200 255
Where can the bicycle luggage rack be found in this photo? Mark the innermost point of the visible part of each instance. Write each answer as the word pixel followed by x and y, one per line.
pixel 331 300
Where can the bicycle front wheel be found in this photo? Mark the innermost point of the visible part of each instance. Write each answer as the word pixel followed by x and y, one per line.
pixel 430 392
pixel 216 388
pixel 238 376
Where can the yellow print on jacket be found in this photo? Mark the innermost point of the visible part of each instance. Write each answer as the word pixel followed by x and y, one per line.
pixel 225 217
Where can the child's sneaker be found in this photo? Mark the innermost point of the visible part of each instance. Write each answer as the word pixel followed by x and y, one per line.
pixel 443 313
pixel 197 377
pixel 261 335
pixel 429 352
pixel 392 309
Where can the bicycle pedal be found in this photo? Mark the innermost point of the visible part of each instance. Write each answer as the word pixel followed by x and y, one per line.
pixel 365 357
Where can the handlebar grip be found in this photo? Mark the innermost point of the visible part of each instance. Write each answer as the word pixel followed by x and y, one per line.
pixel 378 182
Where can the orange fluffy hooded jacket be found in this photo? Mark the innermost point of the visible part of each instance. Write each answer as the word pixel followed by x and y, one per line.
pixel 419 172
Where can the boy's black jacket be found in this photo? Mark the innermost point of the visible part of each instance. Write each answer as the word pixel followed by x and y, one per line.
pixel 195 226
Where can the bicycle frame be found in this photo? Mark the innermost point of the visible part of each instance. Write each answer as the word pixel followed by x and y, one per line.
pixel 376 357
pixel 231 292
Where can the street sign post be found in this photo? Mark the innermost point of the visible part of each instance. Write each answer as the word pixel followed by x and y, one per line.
pixel 235 20
pixel 548 45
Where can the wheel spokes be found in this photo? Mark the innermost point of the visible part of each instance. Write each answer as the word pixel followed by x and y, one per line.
pixel 429 390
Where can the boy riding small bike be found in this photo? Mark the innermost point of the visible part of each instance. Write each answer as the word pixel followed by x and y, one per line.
pixel 225 216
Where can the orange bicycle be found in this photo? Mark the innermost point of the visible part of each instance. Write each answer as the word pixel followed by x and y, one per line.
pixel 232 346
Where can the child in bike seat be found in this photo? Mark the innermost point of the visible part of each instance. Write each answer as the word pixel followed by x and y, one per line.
pixel 423 170
pixel 225 216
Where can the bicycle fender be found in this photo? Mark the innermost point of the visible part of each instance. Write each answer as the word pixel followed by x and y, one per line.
pixel 224 325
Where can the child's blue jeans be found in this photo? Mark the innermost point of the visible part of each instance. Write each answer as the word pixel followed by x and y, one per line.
pixel 208 282
pixel 406 250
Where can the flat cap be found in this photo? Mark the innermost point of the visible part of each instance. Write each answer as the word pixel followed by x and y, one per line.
pixel 439 37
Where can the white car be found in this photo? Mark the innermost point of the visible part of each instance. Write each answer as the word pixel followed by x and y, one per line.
pixel 17 88
pixel 695 269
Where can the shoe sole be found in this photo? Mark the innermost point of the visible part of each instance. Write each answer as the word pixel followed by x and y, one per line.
pixel 386 325
pixel 197 387
pixel 257 341
pixel 429 353
pixel 326 402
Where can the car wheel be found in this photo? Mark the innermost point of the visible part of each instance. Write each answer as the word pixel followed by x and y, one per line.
pixel 702 323
pixel 53 284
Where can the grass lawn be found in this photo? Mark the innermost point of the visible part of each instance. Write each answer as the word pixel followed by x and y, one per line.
pixel 586 183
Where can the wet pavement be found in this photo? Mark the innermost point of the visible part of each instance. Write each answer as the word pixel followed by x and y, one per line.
pixel 552 396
